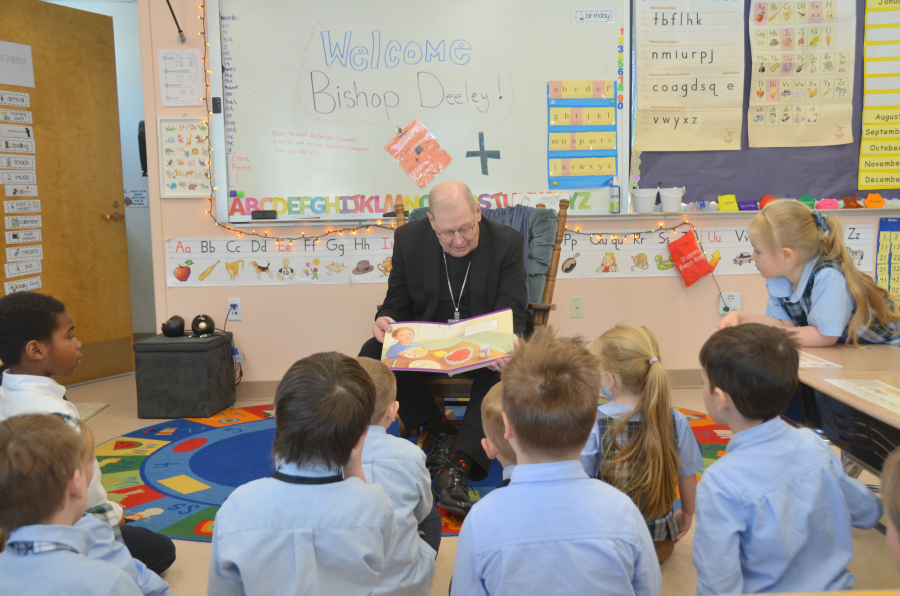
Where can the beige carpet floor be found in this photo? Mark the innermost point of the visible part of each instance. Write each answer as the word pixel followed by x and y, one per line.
pixel 187 577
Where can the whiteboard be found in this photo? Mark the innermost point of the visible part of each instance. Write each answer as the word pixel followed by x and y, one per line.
pixel 313 92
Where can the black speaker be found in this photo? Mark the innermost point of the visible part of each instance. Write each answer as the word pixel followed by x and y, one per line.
pixel 174 327
pixel 142 147
pixel 203 325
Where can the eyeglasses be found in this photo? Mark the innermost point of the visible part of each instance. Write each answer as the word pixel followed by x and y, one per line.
pixel 463 231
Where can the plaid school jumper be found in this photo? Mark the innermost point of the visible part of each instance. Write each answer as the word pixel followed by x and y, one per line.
pixel 798 311
pixel 661 528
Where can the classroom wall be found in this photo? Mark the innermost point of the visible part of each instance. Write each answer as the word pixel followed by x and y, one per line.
pixel 131 112
pixel 281 325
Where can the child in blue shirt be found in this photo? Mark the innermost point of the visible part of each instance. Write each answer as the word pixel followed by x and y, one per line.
pixel 493 442
pixel 43 494
pixel 553 529
pixel 775 513
pixel 315 527
pixel 399 467
pixel 404 337
pixel 640 444
pixel 37 340
pixel 814 287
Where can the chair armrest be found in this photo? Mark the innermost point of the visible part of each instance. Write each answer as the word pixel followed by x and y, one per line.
pixel 540 306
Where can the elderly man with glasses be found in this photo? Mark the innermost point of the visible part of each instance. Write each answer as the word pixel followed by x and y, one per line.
pixel 453 265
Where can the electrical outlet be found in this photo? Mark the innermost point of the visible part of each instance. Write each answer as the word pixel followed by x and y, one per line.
pixel 729 303
pixel 234 309
pixel 576 305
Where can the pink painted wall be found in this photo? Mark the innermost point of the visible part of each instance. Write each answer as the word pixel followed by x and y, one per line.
pixel 281 325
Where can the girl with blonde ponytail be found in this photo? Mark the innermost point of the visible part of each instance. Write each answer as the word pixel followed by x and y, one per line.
pixel 640 444
pixel 813 284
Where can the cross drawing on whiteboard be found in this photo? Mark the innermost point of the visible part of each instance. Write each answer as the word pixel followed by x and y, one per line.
pixel 484 155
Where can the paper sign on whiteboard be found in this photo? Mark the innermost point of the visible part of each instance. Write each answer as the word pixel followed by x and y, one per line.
pixel 23 285
pixel 16 66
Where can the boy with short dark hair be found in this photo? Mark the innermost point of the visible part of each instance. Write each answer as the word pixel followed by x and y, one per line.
pixel 553 526
pixel 37 340
pixel 43 493
pixel 774 514
pixel 493 442
pixel 315 527
pixel 399 467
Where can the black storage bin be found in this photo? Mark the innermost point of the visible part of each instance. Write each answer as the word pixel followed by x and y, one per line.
pixel 184 377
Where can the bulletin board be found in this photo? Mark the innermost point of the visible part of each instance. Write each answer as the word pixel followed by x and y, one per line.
pixel 314 92
pixel 749 174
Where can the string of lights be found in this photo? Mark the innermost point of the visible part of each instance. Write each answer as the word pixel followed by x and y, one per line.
pixel 352 230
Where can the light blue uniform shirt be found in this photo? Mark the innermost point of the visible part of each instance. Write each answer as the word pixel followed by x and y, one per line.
pixel 399 467
pixel 831 302
pixel 554 530
pixel 275 537
pixel 59 572
pixel 685 442
pixel 508 471
pixel 106 548
pixel 774 514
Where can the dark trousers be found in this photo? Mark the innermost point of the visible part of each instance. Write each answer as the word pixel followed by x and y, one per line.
pixel 430 530
pixel 417 406
pixel 154 550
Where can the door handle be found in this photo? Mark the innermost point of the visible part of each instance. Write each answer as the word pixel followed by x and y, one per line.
pixel 113 217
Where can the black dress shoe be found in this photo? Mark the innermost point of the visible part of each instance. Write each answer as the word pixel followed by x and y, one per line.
pixel 441 448
pixel 451 489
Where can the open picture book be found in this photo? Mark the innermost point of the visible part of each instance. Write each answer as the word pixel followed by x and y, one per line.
pixel 450 348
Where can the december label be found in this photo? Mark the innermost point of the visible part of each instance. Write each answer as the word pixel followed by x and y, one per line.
pixel 879 179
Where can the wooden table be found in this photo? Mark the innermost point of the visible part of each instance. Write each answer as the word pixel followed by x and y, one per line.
pixel 866 432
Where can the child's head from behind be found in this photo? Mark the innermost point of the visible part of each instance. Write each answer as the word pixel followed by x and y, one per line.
pixel 629 361
pixel 754 365
pixel 890 496
pixel 385 386
pixel 322 408
pixel 492 421
pixel 787 234
pixel 37 335
pixel 403 334
pixel 41 470
pixel 550 388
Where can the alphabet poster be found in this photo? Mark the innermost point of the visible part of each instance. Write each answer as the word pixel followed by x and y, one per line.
pixel 335 259
pixel 184 169
pixel 690 75
pixel 801 90
pixel 728 251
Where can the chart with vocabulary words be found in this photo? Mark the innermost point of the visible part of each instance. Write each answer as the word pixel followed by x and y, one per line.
pixel 801 90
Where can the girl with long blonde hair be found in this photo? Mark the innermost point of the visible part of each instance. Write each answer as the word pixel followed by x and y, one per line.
pixel 640 444
pixel 813 284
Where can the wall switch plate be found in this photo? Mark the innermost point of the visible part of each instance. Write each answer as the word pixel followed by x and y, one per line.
pixel 729 302
pixel 576 306
pixel 234 309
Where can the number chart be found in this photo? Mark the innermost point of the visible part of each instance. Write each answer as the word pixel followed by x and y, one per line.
pixel 802 80
pixel 888 258
pixel 581 120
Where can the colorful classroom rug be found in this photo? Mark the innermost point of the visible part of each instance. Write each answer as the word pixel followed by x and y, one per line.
pixel 172 477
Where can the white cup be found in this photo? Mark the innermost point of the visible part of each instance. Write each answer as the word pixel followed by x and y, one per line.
pixel 644 199
pixel 670 198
